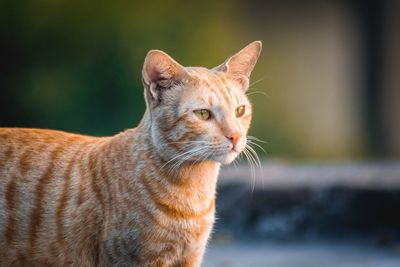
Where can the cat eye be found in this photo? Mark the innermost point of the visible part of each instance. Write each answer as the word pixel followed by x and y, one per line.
pixel 240 110
pixel 203 114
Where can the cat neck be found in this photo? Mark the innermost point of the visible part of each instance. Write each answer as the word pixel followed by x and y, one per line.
pixel 189 190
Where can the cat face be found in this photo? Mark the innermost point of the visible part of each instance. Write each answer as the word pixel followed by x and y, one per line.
pixel 197 113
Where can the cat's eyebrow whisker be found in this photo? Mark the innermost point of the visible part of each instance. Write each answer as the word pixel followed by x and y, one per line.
pixel 253 138
pixel 257 81
pixel 258 92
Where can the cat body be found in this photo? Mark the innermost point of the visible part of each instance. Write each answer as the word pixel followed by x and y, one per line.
pixel 144 197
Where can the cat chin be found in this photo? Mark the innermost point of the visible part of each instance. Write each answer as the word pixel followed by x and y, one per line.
pixel 227 158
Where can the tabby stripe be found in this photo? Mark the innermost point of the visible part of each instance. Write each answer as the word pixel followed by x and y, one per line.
pixel 217 86
pixel 139 207
pixel 233 97
pixel 81 187
pixel 135 205
pixel 173 144
pixel 185 136
pixel 210 100
pixel 174 124
pixel 117 247
pixel 94 180
pixel 21 259
pixel 201 229
pixel 9 152
pixel 104 176
pixel 37 212
pixel 11 227
pixel 64 199
pixel 11 190
pixel 81 176
pixel 24 162
pixel 226 96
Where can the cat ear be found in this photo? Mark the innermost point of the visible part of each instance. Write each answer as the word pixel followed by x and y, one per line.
pixel 239 66
pixel 160 72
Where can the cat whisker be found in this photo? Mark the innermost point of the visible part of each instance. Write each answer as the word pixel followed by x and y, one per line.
pixel 176 157
pixel 236 161
pixel 252 171
pixel 257 159
pixel 253 160
pixel 198 155
pixel 182 158
pixel 258 92
pixel 252 143
pixel 254 154
pixel 255 139
pixel 257 81
pixel 188 142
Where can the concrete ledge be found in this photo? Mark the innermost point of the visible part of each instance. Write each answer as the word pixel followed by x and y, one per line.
pixel 317 202
pixel 374 175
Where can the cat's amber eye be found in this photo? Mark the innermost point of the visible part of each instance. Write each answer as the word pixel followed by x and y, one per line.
pixel 203 114
pixel 240 110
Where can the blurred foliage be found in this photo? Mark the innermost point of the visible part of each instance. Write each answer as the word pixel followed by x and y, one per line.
pixel 76 65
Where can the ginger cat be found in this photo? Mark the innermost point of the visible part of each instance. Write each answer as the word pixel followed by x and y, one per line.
pixel 144 197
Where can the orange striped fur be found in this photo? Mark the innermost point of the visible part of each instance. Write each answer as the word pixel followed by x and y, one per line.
pixel 144 197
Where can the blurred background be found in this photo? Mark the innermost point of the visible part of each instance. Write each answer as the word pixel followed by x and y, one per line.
pixel 325 92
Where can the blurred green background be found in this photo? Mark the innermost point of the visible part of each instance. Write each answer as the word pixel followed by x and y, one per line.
pixel 326 85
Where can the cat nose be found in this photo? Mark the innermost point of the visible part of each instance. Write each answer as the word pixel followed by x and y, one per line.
pixel 234 138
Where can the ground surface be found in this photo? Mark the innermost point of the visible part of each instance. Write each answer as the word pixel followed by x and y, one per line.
pixel 300 255
pixel 290 214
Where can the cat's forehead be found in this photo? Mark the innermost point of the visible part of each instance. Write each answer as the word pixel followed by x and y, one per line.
pixel 214 88
pixel 206 77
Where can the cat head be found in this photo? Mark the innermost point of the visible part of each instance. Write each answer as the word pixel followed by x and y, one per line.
pixel 196 113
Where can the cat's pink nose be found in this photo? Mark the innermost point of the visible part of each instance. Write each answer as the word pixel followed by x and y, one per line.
pixel 234 138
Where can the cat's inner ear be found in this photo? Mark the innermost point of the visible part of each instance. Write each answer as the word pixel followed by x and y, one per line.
pixel 160 72
pixel 239 66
